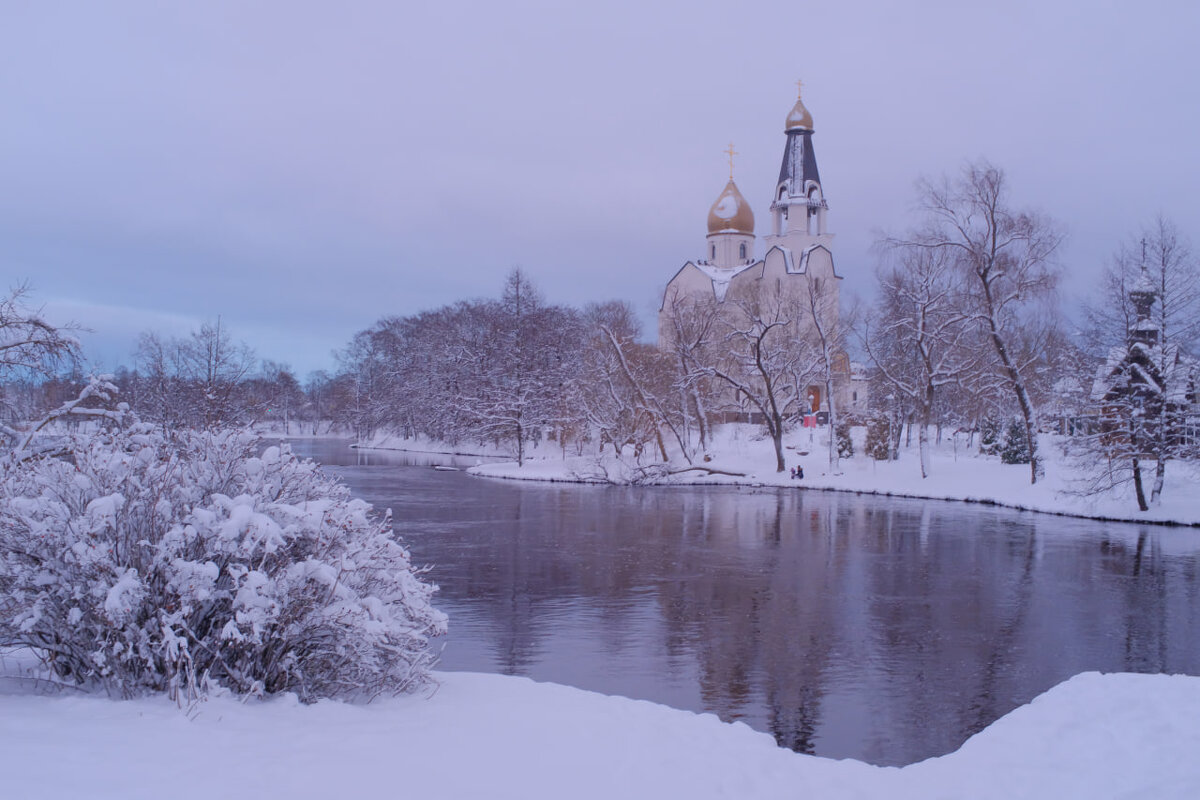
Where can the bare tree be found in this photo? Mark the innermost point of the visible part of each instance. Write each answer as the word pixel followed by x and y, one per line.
pixel 216 366
pixel 30 349
pixel 692 332
pixel 28 343
pixel 825 334
pixel 761 362
pixel 918 338
pixel 1006 256
pixel 197 381
pixel 628 383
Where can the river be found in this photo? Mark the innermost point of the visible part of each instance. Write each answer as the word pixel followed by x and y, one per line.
pixel 883 629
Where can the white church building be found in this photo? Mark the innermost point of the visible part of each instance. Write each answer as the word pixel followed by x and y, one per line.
pixel 799 250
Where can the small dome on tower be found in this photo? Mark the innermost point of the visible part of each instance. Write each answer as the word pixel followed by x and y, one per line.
pixel 731 212
pixel 799 118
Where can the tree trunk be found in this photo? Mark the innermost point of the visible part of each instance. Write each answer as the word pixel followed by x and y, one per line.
pixel 1137 485
pixel 834 463
pixel 701 421
pixel 776 428
pixel 1028 415
pixel 1160 474
pixel 923 436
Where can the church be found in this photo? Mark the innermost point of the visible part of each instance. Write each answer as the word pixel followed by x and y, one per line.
pixel 798 262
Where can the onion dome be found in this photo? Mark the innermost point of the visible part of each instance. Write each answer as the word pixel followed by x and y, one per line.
pixel 799 119
pixel 731 212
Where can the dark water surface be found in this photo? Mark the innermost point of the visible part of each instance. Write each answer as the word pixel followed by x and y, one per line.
pixel 882 629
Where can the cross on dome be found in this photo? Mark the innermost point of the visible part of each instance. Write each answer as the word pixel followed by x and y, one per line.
pixel 731 153
pixel 799 118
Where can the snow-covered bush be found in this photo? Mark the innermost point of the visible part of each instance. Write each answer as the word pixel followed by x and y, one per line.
pixel 141 561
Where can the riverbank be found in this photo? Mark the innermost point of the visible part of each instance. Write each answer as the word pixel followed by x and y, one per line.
pixel 742 456
pixel 494 736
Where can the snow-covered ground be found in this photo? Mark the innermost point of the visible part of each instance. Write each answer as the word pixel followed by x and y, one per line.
pixel 299 430
pixel 956 474
pixel 493 736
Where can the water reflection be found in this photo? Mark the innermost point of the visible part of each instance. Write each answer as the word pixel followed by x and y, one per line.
pixel 881 629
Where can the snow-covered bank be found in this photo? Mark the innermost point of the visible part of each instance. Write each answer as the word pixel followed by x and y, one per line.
pixel 421 444
pixel 492 736
pixel 746 458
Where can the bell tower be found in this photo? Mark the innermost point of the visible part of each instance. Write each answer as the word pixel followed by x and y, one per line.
pixel 798 208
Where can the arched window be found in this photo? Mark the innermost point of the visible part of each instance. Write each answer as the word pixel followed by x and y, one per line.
pixel 714 252
pixel 742 251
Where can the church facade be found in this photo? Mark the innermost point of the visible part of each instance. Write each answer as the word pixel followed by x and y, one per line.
pixel 797 268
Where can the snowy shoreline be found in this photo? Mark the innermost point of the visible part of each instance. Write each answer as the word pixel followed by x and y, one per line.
pixel 496 736
pixel 956 477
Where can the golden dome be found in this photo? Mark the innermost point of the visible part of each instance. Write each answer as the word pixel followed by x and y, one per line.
pixel 731 212
pixel 799 118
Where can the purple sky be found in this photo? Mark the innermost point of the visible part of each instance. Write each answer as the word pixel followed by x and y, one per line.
pixel 302 169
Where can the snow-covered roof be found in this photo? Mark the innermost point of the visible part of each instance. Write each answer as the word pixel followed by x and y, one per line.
pixel 1144 285
pixel 1154 368
pixel 721 276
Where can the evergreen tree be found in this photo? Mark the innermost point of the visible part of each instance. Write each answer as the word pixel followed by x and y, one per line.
pixel 1015 448
pixel 845 445
pixel 878 445
pixel 989 437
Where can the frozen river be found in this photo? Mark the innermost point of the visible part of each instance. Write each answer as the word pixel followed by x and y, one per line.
pixel 882 629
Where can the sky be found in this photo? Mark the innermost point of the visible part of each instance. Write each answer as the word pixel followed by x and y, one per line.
pixel 302 169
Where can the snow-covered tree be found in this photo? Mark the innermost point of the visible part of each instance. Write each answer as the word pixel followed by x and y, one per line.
pixel 693 330
pixel 623 382
pixel 764 360
pixel 522 368
pixel 195 381
pixel 143 560
pixel 822 332
pixel 919 338
pixel 31 350
pixel 1005 256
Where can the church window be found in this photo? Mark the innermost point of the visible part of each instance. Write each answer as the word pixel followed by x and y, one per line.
pixel 742 251
pixel 714 252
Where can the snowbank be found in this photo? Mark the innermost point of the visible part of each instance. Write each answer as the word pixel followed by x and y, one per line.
pixel 955 474
pixel 492 736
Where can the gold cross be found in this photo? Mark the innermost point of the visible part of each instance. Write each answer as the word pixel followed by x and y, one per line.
pixel 732 153
pixel 799 89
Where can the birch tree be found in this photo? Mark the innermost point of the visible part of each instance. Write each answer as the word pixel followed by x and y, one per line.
pixel 1006 257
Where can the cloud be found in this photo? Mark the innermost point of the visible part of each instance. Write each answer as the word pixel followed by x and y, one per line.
pixel 302 169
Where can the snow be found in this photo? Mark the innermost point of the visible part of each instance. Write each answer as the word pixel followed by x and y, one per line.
pixel 493 736
pixel 726 207
pixel 956 474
